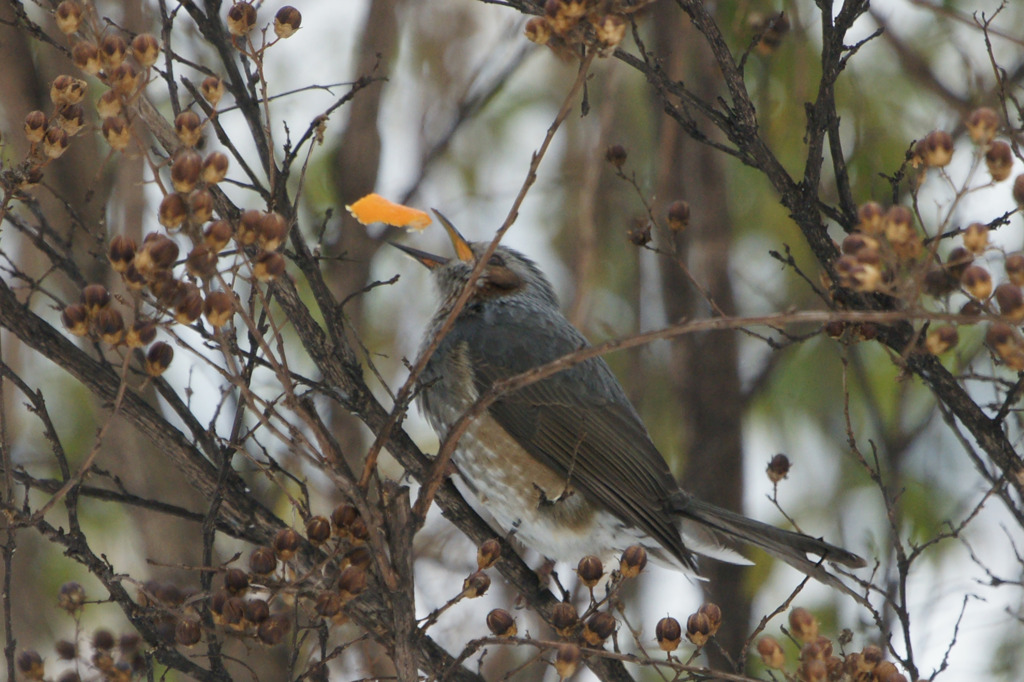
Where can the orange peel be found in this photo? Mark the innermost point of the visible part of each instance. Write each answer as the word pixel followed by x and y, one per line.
pixel 374 208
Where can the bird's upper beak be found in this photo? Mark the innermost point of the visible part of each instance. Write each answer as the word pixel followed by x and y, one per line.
pixel 461 246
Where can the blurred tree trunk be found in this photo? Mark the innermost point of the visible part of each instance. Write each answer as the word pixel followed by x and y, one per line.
pixel 704 366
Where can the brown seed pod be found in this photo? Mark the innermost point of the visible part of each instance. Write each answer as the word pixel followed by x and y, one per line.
pixel 598 628
pixel 269 266
pixel 771 653
pixel 158 358
pixel 982 125
pixel 501 623
pixel 286 543
pixel 30 664
pixel 590 570
pixel 215 167
pixel 236 581
pixel 999 160
pixel 567 659
pixel 75 319
pixel 217 234
pixel 124 79
pixel 803 624
pixel 257 610
pixel 142 333
pixel 121 252
pixel 668 633
pixel 189 129
pixel 55 142
pixel 318 528
pixel 476 585
pixel 940 339
pixel 351 582
pixel 538 30
pixel 1018 190
pixel 328 604
pixel 185 170
pixel 188 631
pixel 488 553
pixel 714 615
pixel 698 629
pixel 113 50
pixel 870 217
pixel 262 561
pixel 976 238
pixel 200 205
pixel 678 215
pixel 110 325
pixel 71 597
pixel 68 16
pixel 86 56
pixel 145 49
pixel 212 89
pixel 616 155
pixel 936 149
pixel 35 126
pixel 778 468
pixel 248 230
pixel 977 282
pixel 287 22
pixel 1010 301
pixel 241 18
pixel 67 89
pixel 273 228
pixel 564 619
pixel 273 630
pixel 633 561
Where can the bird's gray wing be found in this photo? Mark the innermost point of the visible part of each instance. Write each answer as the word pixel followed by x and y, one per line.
pixel 578 422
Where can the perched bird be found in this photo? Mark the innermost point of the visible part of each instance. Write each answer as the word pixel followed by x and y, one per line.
pixel 565 464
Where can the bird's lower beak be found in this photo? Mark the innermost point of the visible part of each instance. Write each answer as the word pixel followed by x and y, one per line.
pixel 428 259
pixel 462 249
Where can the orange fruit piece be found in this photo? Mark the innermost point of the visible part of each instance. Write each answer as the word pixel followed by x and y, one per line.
pixel 373 208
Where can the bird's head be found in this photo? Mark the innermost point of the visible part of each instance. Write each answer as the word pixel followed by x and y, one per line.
pixel 507 273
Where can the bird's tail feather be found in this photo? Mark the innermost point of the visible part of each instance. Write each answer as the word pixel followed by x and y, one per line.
pixel 726 528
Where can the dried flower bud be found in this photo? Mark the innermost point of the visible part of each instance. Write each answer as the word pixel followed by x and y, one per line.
pixel 257 610
pixel 164 285
pixel 113 50
pixel 103 639
pixel 771 653
pixel 976 238
pixel 273 228
pixel 778 468
pixel 134 279
pixel 269 266
pixel 1018 190
pixel 189 128
pixel 678 215
pixel 871 218
pixel 142 333
pixel 236 581
pixel 488 553
pixel 71 597
pixel 110 326
pixel 938 282
pixel 803 624
pixel 615 155
pixel 328 604
pixel 999 160
pixel 35 126
pixel 189 306
pixel 241 18
pixel 273 630
pixel 501 623
pixel 538 30
pixel 287 21
pixel 68 16
pixel 898 223
pixel 941 339
pixel 286 543
pixel 185 170
pixel 30 664
pixel 862 277
pixel 567 659
pixel 318 528
pixel 476 585
pixel 714 615
pixel 343 517
pixel 200 205
pixel 76 319
pixel 564 619
pixel 1014 265
pixel 188 631
pixel 982 124
pixel 698 629
pixel 358 556
pixel 109 104
pixel 262 561
pixel 95 297
pixel 1001 338
pixel 668 633
pixel 124 79
pixel 958 261
pixel 936 149
pixel 610 29
pixel 633 561
pixel 1010 301
pixel 55 143
pixel 870 657
pixel 351 582
pixel 159 358
pixel 217 234
pixel 590 571
pixel 977 282
pixel 173 212
pixel 86 56
pixel 71 118
pixel 834 329
pixel 598 628
pixel 145 49
pixel 212 89
pixel 117 133
pixel 772 29
pixel 67 90
pixel 640 234
pixel 863 247
pixel 217 602
pixel 248 227
pixel 66 651
pixel 215 168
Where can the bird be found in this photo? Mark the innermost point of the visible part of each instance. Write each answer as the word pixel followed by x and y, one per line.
pixel 565 465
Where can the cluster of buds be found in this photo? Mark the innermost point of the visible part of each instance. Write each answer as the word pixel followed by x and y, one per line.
pixel 49 135
pixel 242 18
pixel 819 662
pixel 566 26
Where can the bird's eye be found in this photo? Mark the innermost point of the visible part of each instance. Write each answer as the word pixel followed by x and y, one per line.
pixel 496 260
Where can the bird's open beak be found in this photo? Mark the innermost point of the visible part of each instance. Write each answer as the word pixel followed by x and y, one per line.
pixel 459 243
